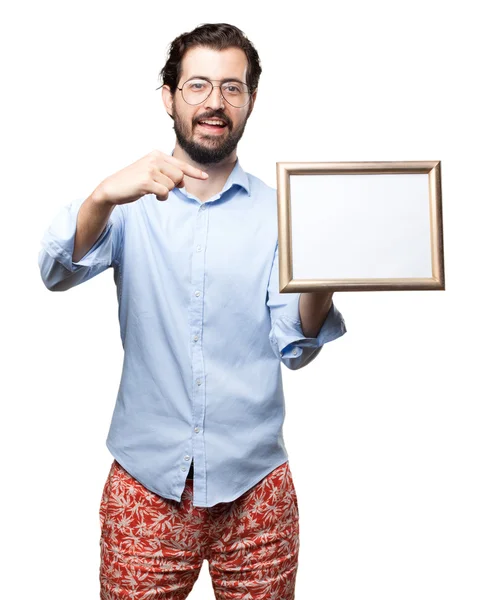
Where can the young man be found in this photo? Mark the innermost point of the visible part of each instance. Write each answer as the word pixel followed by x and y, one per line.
pixel 192 240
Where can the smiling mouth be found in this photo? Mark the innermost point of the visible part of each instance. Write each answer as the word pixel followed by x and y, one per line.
pixel 212 127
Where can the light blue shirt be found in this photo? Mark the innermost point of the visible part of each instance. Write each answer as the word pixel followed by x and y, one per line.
pixel 204 331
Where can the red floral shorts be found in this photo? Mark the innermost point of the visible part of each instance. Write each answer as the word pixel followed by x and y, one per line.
pixel 153 547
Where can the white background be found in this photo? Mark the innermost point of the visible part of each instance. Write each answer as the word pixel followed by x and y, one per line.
pixel 382 428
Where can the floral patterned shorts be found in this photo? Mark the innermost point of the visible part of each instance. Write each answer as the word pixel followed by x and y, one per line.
pixel 153 547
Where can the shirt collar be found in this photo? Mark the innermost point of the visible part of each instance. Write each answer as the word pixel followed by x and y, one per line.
pixel 237 177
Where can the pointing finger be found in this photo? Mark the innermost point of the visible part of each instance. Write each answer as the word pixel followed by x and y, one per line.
pixel 186 168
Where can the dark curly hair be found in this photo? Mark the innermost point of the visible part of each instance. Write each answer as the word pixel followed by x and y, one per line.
pixel 217 36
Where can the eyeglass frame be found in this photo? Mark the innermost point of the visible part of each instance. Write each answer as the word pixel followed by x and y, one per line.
pixel 250 93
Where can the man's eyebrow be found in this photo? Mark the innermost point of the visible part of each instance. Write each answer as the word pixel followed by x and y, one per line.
pixel 220 80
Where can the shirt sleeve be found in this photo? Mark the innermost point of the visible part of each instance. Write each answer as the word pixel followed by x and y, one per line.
pixel 286 336
pixel 57 269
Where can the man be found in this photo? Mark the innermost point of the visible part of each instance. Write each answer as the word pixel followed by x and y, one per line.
pixel 192 240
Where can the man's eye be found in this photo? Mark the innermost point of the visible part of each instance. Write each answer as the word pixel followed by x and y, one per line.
pixel 197 86
pixel 232 89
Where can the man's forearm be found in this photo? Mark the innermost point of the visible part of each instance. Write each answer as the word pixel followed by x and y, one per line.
pixel 91 221
pixel 313 310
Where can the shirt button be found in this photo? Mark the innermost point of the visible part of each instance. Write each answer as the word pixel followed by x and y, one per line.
pixel 198 248
pixel 197 429
pixel 183 468
pixel 187 457
pixel 198 381
pixel 196 338
pixel 295 351
pixel 197 293
pixel 202 207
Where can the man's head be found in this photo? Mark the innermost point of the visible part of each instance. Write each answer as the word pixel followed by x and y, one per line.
pixel 220 55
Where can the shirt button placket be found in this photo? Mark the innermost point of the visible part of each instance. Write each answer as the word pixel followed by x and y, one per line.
pixel 196 337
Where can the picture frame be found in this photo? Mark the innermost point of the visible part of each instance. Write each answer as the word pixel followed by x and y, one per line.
pixel 360 226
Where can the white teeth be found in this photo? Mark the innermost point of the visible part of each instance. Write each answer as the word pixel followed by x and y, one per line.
pixel 213 122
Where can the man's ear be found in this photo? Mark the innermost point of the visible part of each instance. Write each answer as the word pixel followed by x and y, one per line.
pixel 167 97
pixel 252 101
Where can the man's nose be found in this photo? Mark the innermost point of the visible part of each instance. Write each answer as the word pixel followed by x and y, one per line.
pixel 215 100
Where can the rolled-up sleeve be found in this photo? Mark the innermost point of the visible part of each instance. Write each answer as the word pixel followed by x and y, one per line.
pixel 286 336
pixel 58 270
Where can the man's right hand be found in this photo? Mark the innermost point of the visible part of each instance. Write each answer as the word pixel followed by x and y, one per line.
pixel 156 173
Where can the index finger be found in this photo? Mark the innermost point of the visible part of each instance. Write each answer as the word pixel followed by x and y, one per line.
pixel 186 168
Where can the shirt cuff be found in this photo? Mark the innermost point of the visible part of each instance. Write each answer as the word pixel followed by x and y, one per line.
pixel 291 340
pixel 59 240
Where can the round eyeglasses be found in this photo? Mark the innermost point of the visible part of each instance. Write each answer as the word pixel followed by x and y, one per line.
pixel 197 90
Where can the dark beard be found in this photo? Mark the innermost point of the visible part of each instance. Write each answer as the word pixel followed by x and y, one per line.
pixel 206 155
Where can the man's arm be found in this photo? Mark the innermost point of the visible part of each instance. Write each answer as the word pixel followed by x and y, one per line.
pixel 313 310
pixel 68 258
pixel 297 348
pixel 92 219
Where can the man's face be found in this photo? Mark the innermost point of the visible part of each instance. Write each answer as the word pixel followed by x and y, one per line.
pixel 206 145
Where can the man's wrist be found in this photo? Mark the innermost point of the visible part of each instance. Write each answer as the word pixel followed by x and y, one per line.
pixel 100 198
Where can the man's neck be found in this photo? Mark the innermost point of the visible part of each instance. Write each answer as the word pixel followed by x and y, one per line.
pixel 218 174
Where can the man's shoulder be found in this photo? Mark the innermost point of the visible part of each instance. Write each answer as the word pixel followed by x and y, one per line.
pixel 260 188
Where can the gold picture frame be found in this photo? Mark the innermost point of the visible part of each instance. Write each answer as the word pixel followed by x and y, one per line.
pixel 388 230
